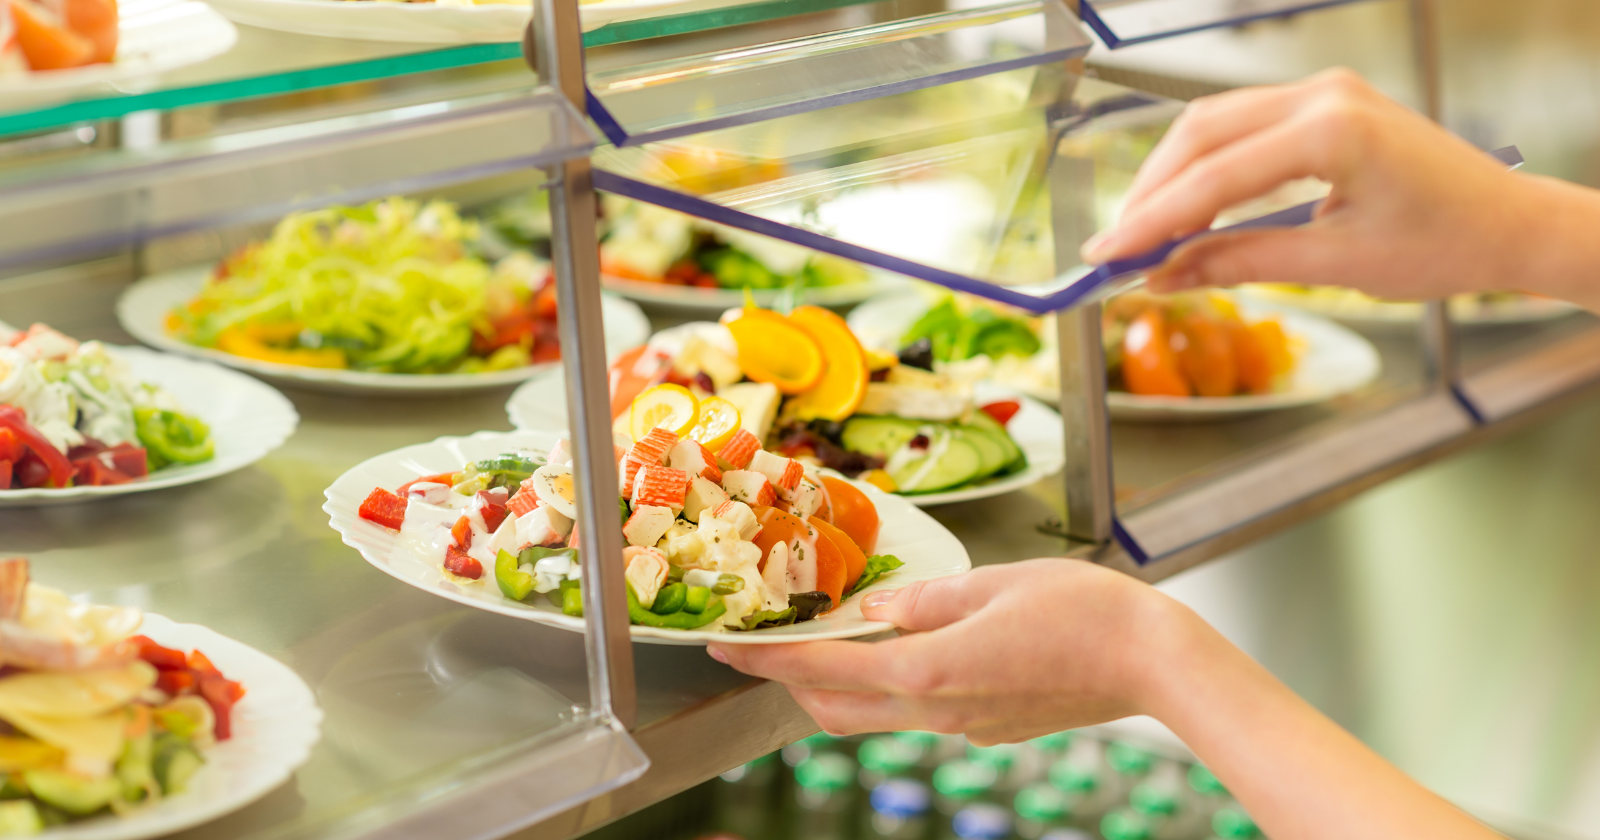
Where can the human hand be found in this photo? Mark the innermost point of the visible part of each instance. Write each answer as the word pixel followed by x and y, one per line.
pixel 1415 212
pixel 1002 653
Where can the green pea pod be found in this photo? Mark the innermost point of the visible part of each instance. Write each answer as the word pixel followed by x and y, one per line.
pixel 670 599
pixel 677 621
pixel 173 438
pixel 697 599
pixel 727 584
pixel 513 582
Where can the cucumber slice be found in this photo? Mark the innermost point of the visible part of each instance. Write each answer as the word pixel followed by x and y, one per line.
pixel 878 436
pixel 958 463
pixel 990 450
pixel 70 793
pixel 983 422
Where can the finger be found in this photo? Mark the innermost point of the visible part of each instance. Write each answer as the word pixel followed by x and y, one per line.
pixel 852 712
pixel 929 604
pixel 1208 124
pixel 1314 254
pixel 846 666
pixel 1246 169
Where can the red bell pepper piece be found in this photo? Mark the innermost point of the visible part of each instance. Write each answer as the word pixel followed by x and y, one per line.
pixel 31 471
pixel 447 479
pixel 175 683
pixel 384 508
pixel 1002 411
pixel 58 470
pixel 457 562
pixel 130 460
pixel 493 512
pixel 90 472
pixel 11 447
pixel 222 694
pixel 461 534
pixel 199 662
pixel 164 658
pixel 5 474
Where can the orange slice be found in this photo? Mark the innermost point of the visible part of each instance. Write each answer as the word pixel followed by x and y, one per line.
pixel 716 423
pixel 46 41
pixel 774 349
pixel 844 382
pixel 666 406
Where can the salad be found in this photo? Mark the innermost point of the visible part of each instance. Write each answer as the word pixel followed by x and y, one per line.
pixel 393 286
pixel 72 414
pixel 1194 344
pixel 95 719
pixel 720 533
pixel 56 34
pixel 1350 303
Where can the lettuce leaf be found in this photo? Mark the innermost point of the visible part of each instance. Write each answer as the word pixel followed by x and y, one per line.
pixel 878 565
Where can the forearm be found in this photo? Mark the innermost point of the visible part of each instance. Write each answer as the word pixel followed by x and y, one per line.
pixel 1561 248
pixel 1299 775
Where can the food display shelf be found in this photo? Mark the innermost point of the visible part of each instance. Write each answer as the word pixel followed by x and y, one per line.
pixel 1123 23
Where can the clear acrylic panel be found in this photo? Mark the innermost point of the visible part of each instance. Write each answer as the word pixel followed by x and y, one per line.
pixel 904 49
pixel 1121 23
pixel 986 186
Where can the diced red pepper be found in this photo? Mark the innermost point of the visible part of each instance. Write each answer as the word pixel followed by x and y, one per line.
pixel 5 474
pixel 222 694
pixel 493 512
pixel 164 658
pixel 457 562
pixel 461 534
pixel 130 460
pixel 11 447
pixel 1002 411
pixel 90 472
pixel 199 662
pixel 58 470
pixel 447 479
pixel 384 508
pixel 175 683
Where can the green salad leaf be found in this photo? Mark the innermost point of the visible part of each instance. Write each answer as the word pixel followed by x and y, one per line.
pixel 878 565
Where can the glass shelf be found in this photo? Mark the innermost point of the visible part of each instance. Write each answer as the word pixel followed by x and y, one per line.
pixel 986 186
pixel 904 49
pixel 1122 23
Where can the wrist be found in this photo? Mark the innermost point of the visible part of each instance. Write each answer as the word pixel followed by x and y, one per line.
pixel 1181 652
pixel 1555 252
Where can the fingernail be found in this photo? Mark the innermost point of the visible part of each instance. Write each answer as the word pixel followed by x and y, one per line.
pixel 717 655
pixel 1098 247
pixel 878 599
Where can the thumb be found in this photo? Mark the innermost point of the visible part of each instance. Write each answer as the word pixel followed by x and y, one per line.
pixel 927 604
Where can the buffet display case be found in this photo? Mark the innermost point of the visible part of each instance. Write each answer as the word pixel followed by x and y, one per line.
pixel 958 144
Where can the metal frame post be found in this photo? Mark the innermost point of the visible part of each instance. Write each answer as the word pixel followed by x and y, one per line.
pixel 1440 359
pixel 556 41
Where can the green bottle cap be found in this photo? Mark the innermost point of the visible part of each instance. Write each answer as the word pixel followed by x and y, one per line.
pixel 1128 759
pixel 1234 823
pixel 1153 800
pixel 1204 782
pixel 1068 776
pixel 999 756
pixel 1042 803
pixel 925 741
pixel 1054 742
pixel 827 772
pixel 963 779
pixel 1125 825
pixel 888 756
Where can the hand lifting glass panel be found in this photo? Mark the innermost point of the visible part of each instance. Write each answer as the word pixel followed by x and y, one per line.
pixel 692 94
pixel 962 185
pixel 1121 23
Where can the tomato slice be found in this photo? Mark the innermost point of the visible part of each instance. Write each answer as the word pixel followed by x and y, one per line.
pixel 1002 410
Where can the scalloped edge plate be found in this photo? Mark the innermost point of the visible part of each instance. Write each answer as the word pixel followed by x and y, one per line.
pixel 142 311
pixel 420 23
pixel 248 420
pixel 275 727
pixel 154 36
pixel 926 547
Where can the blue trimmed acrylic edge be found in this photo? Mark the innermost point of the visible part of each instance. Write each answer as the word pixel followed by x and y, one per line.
pixel 618 134
pixel 1116 42
pixel 1467 405
pixel 1125 539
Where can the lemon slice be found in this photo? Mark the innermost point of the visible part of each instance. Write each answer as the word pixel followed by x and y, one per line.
pixel 717 422
pixel 668 406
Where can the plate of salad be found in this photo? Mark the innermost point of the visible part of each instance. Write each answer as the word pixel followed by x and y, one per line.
pixel 1361 310
pixel 670 259
pixel 81 421
pixel 422 21
pixel 725 540
pixel 804 385
pixel 1190 356
pixel 122 725
pixel 390 297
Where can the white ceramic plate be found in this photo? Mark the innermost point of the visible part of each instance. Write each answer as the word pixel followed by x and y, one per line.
pixel 248 419
pixel 154 36
pixel 1365 313
pixel 926 547
pixel 540 405
pixel 1333 360
pixel 143 309
pixel 422 23
pixel 274 728
pixel 716 301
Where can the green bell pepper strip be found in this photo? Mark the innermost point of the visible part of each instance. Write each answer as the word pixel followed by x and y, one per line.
pixel 676 621
pixel 670 599
pixel 572 600
pixel 697 599
pixel 508 575
pixel 173 438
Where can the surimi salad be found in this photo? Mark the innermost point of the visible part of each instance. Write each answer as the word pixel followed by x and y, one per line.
pixel 719 532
